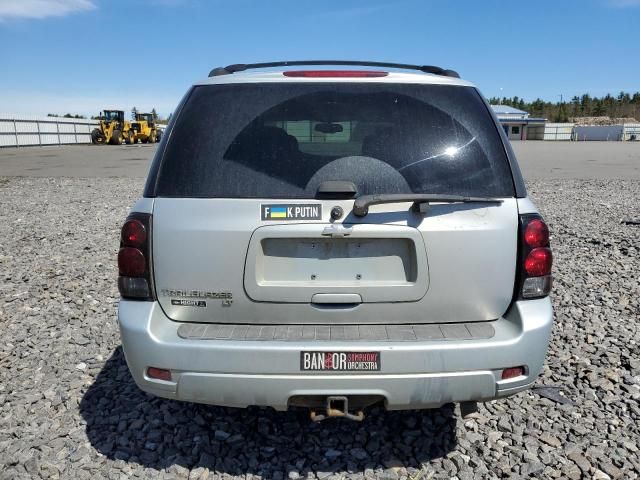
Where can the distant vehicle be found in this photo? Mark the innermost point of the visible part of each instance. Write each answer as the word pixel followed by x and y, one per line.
pixel 145 128
pixel 333 239
pixel 113 129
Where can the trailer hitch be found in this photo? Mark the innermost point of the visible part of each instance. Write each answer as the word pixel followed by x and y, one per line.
pixel 337 406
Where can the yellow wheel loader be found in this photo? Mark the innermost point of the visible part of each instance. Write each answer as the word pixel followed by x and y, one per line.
pixel 145 128
pixel 113 129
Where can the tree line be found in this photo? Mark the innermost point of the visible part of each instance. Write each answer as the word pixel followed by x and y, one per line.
pixel 623 105
pixel 66 115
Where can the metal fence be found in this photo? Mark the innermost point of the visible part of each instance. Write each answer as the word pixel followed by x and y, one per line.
pixel 23 130
pixel 601 133
pixel 631 132
pixel 558 131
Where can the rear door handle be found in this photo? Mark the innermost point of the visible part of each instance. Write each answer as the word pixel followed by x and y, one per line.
pixel 352 298
pixel 335 231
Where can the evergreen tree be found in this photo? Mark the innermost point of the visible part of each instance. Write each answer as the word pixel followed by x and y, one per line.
pixel 598 108
pixel 561 116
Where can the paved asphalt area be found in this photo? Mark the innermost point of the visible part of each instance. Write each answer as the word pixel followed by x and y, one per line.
pixel 538 160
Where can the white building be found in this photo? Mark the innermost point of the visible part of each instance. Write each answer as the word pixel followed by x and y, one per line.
pixel 516 123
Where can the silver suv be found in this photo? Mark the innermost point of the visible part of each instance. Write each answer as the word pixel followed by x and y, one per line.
pixel 333 239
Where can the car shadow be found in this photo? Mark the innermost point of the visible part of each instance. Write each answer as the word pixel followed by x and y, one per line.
pixel 124 423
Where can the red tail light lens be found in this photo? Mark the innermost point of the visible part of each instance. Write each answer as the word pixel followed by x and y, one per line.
pixel 538 262
pixel 131 262
pixel 335 73
pixel 134 234
pixel 536 234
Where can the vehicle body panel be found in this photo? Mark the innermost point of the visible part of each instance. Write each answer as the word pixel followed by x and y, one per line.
pixel 467 248
pixel 416 374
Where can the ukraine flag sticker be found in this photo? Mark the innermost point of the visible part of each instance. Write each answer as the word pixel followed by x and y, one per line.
pixel 279 212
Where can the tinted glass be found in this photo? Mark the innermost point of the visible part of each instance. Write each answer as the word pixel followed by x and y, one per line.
pixel 281 140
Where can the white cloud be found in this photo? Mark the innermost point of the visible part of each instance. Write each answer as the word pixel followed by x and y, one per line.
pixel 42 8
pixel 624 3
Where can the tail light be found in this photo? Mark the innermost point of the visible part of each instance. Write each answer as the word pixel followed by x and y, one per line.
pixel 535 258
pixel 134 258
pixel 335 73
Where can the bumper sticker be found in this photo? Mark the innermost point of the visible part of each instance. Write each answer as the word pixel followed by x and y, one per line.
pixel 298 211
pixel 340 361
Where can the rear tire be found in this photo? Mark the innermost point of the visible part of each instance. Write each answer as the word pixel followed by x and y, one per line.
pixel 131 138
pixel 97 138
pixel 116 138
pixel 152 137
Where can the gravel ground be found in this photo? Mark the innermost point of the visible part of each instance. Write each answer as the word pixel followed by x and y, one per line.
pixel 69 408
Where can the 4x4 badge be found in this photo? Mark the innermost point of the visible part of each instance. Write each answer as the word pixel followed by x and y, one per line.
pixel 288 211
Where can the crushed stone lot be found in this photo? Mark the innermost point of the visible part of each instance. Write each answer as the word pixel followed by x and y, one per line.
pixel 69 407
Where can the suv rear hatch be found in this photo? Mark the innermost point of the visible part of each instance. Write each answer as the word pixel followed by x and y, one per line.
pixel 249 226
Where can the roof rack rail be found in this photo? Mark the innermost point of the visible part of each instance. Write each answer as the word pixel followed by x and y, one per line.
pixel 240 67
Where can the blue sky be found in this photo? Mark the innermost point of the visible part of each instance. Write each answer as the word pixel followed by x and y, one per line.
pixel 79 56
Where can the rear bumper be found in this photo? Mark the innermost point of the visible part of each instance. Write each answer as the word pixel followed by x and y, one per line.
pixel 416 374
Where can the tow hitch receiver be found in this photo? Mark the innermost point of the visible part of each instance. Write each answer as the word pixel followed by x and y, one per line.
pixel 337 406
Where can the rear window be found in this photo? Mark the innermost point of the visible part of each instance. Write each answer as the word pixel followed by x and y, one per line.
pixel 281 140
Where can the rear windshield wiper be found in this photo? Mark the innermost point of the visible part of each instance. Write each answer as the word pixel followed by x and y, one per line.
pixel 361 205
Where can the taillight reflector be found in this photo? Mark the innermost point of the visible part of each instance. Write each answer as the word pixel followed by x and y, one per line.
pixel 131 262
pixel 159 373
pixel 512 372
pixel 335 73
pixel 538 262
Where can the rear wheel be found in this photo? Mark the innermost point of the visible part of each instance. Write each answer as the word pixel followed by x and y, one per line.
pixel 152 137
pixel 116 138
